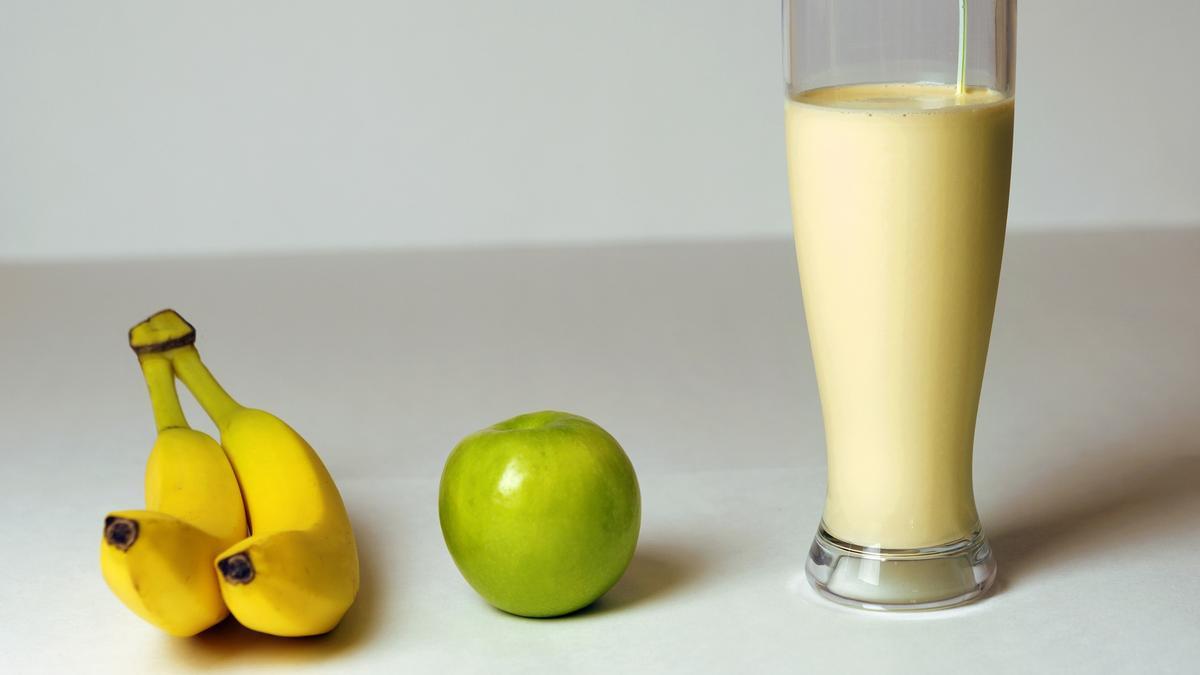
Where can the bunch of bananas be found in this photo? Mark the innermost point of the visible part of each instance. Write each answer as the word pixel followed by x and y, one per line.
pixel 254 526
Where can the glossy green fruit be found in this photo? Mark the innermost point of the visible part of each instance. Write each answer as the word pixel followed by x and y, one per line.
pixel 540 513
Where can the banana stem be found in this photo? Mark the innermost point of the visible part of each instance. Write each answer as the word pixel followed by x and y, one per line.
pixel 164 400
pixel 219 405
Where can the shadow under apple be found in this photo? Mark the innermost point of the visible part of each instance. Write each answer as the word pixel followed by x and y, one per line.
pixel 657 570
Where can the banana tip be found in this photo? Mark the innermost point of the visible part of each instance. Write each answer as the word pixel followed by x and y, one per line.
pixel 120 533
pixel 237 569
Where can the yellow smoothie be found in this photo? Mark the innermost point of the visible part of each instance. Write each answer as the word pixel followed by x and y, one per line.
pixel 899 198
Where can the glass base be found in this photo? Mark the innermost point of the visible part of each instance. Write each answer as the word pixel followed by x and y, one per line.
pixel 883 579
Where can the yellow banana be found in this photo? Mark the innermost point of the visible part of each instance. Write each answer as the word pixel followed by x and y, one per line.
pixel 161 568
pixel 297 574
pixel 158 561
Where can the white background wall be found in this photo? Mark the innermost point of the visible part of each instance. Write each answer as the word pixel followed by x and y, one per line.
pixel 141 127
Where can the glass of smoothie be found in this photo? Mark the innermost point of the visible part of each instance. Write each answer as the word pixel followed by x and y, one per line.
pixel 899 118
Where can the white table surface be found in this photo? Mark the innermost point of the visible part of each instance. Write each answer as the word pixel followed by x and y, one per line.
pixel 695 356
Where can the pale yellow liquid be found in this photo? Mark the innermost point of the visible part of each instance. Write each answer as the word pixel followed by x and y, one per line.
pixel 899 199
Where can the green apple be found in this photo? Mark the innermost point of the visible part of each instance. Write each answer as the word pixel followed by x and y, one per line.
pixel 541 513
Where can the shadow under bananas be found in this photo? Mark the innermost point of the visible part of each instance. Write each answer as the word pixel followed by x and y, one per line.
pixel 230 643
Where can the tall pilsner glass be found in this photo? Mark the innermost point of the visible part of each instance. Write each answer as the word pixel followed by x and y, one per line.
pixel 899 145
